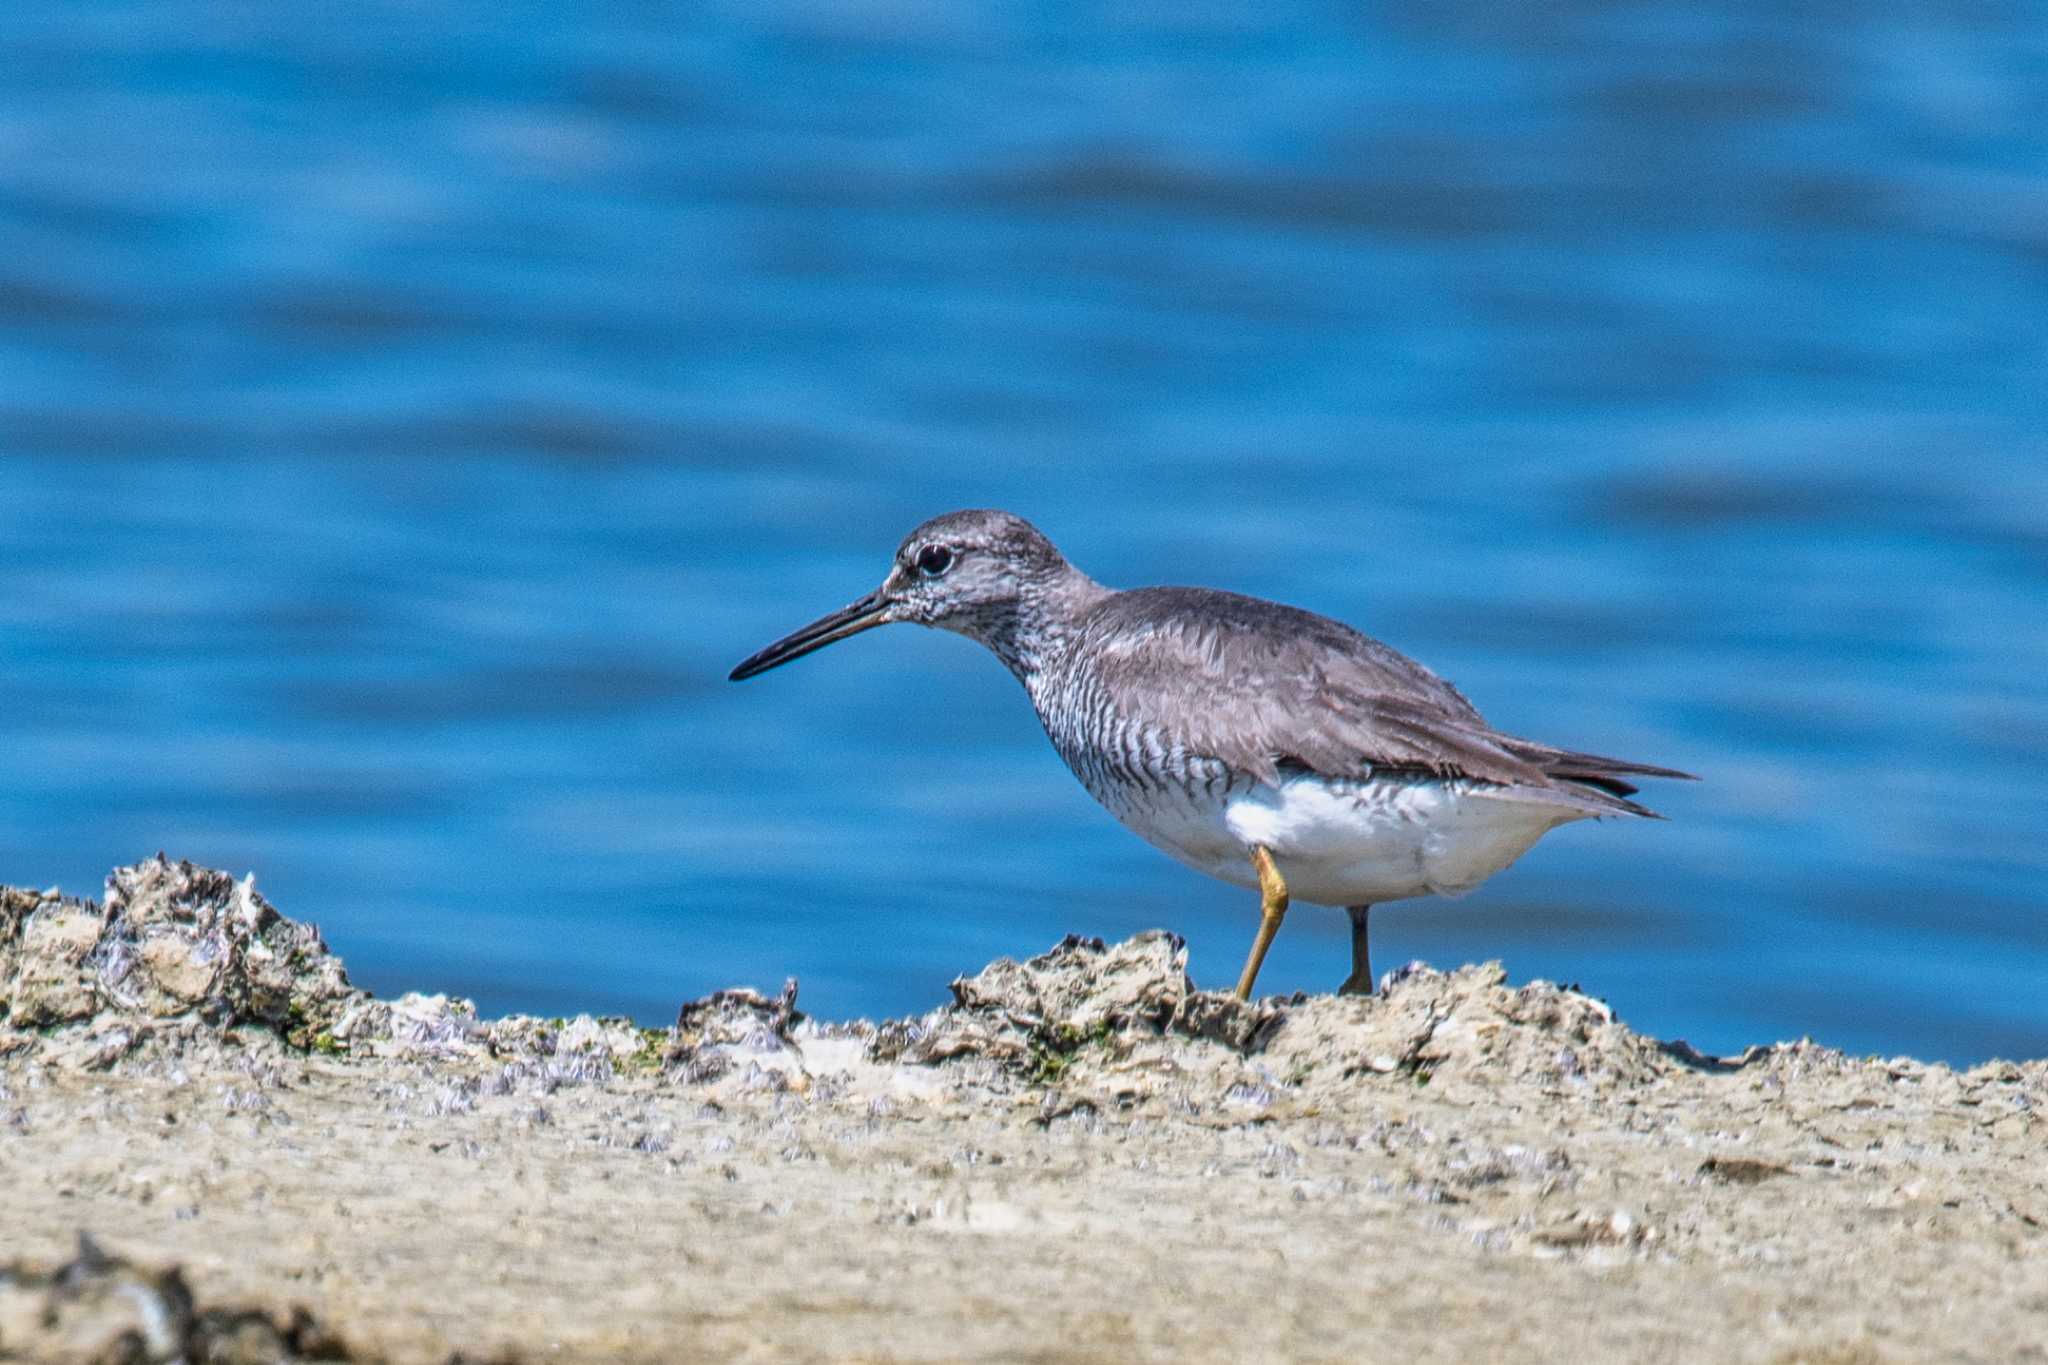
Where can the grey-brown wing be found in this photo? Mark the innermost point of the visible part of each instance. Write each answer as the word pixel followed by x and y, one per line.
pixel 1259 685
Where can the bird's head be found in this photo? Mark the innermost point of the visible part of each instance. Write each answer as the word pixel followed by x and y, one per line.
pixel 974 572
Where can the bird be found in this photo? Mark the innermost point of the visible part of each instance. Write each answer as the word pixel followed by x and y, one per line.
pixel 1263 745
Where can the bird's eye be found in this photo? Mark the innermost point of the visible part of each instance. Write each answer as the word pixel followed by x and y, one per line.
pixel 934 560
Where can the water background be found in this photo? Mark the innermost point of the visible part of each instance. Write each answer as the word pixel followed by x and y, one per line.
pixel 408 413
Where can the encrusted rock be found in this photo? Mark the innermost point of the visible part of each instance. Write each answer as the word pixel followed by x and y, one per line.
pixel 714 1033
pixel 176 948
pixel 1081 991
pixel 171 940
pixel 1084 986
pixel 1240 1025
pixel 45 972
pixel 1468 1027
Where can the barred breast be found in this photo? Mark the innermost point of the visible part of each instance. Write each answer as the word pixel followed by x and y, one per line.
pixel 1173 799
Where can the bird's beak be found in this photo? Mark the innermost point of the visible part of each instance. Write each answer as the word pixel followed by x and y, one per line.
pixel 852 619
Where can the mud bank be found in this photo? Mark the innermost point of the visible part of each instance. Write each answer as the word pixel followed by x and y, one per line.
pixel 1079 1157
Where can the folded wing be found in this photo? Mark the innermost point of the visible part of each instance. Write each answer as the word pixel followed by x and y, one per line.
pixel 1268 688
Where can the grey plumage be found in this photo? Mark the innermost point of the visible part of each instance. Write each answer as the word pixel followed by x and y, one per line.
pixel 1194 715
pixel 1264 687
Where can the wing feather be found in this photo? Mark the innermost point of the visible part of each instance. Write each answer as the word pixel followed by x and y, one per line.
pixel 1262 687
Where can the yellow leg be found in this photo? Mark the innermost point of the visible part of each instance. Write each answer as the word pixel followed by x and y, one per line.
pixel 1272 909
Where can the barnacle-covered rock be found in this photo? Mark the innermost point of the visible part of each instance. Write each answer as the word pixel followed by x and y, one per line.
pixel 737 1028
pixel 170 941
pixel 1469 1027
pixel 46 945
pixel 1080 991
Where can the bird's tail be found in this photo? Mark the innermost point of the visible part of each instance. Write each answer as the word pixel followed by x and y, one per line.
pixel 1603 779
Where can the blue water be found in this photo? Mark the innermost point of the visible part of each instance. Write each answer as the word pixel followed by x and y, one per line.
pixel 408 413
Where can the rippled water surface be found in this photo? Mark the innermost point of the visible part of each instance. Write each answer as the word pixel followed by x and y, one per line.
pixel 408 414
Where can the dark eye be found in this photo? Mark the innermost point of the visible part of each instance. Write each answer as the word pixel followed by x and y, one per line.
pixel 934 560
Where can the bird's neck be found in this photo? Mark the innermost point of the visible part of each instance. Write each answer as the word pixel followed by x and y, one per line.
pixel 1031 633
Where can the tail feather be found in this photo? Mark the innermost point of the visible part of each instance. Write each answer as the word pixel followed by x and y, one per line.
pixel 1613 785
pixel 1595 771
pixel 1582 766
pixel 1600 764
pixel 1577 796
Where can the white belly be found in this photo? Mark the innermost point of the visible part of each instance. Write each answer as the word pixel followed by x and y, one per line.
pixel 1353 843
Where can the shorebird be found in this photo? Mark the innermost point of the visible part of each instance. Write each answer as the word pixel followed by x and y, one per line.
pixel 1264 745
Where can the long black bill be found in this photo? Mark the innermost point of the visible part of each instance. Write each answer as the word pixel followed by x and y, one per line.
pixel 848 620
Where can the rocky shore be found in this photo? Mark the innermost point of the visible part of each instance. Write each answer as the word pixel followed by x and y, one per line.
pixel 1078 1157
